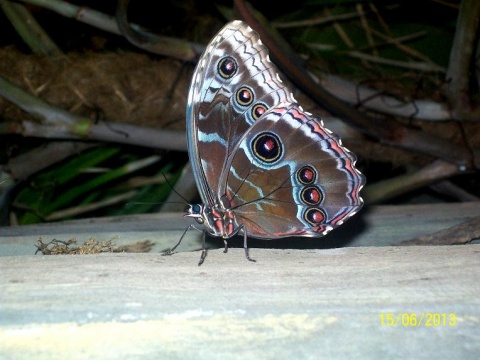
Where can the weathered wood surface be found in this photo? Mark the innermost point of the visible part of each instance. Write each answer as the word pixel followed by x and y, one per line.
pixel 290 304
pixel 373 226
pixel 305 304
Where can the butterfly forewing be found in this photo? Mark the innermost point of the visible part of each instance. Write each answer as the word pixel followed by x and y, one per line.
pixel 233 85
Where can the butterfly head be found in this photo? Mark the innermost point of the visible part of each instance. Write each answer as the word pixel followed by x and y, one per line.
pixel 197 212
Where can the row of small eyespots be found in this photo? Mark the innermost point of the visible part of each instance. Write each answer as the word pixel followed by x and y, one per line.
pixel 227 68
pixel 311 195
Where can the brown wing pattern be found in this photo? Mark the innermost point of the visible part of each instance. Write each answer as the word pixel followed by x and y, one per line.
pixel 291 176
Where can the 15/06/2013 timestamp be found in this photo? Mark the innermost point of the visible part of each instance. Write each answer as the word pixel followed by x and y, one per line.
pixel 418 319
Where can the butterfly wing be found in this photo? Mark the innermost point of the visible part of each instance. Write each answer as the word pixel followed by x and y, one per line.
pixel 290 176
pixel 256 152
pixel 233 84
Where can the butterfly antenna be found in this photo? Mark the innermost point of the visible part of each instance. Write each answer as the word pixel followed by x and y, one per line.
pixel 173 189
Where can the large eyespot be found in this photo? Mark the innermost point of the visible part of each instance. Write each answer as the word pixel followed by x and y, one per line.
pixel 311 195
pixel 227 67
pixel 267 147
pixel 258 110
pixel 314 216
pixel 307 175
pixel 244 96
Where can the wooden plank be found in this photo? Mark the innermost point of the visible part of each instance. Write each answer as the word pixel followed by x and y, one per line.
pixel 306 304
pixel 373 226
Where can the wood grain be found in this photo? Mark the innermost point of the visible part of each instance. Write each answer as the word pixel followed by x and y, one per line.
pixel 306 304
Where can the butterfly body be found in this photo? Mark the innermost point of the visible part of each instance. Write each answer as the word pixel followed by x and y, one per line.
pixel 263 166
pixel 218 221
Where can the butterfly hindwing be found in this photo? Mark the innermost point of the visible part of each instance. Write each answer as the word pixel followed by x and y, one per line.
pixel 290 176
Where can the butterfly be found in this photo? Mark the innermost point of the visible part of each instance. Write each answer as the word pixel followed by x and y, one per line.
pixel 263 166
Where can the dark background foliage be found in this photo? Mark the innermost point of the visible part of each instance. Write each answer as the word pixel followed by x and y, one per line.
pixel 117 95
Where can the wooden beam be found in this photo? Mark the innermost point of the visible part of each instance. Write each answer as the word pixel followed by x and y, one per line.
pixel 290 304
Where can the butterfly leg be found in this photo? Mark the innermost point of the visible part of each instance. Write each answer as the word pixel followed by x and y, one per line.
pixel 204 250
pixel 226 246
pixel 245 246
pixel 170 251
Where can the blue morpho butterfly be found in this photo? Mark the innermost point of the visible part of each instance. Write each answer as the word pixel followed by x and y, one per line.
pixel 264 167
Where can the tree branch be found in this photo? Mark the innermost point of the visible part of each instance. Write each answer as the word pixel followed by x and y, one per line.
pixel 462 62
